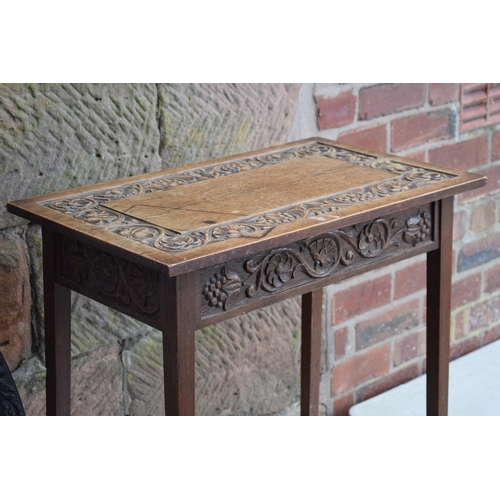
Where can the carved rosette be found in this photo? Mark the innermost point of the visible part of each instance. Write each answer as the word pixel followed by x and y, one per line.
pixel 89 209
pixel 315 258
pixel 131 284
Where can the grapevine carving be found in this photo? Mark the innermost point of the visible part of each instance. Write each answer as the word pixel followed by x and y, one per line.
pixel 314 258
pixel 89 207
pixel 134 285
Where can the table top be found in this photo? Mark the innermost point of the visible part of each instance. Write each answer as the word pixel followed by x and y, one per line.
pixel 190 217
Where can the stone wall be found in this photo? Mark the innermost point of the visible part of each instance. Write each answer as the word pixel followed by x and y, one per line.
pixel 58 136
pixel 55 137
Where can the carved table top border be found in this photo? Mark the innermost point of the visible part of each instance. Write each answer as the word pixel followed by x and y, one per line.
pixel 88 207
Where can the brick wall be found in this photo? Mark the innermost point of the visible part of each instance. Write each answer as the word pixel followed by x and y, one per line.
pixel 376 324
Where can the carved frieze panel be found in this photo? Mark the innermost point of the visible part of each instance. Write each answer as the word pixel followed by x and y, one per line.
pixel 89 207
pixel 126 283
pixel 231 286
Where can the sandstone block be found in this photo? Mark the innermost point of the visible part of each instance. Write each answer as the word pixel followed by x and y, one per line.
pixel 57 136
pixel 245 366
pixel 15 301
pixel 208 120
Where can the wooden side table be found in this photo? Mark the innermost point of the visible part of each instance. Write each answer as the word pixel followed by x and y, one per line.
pixel 187 247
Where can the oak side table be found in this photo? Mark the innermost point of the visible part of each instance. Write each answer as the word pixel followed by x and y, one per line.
pixel 187 247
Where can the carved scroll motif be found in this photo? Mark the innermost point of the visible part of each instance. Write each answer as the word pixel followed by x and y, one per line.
pixel 135 286
pixel 89 209
pixel 315 258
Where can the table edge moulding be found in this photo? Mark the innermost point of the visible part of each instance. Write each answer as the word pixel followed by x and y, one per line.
pixel 187 247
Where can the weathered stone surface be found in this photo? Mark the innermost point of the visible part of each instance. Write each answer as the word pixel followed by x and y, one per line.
pixel 15 301
pixel 248 365
pixel 96 384
pixel 57 136
pixel 30 381
pixel 93 325
pixel 208 120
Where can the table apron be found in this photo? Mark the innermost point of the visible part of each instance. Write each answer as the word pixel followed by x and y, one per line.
pixel 265 278
pixel 249 283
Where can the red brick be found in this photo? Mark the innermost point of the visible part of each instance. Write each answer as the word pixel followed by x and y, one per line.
pixel 443 93
pixel 389 98
pixel 361 368
pixel 493 279
pixel 409 280
pixel 462 348
pixel 495 146
pixel 480 315
pixel 409 347
pixel 393 380
pixel 387 324
pixel 418 155
pixel 479 252
pixel 417 129
pixel 459 224
pixel 370 137
pixel 336 111
pixel 495 309
pixel 460 326
pixel 360 298
pixel 461 155
pixel 340 342
pixel 491 335
pixel 466 290
pixel 483 216
pixel 342 404
pixel 492 186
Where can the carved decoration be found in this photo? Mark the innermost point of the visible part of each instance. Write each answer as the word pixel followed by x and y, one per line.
pixel 314 258
pixel 88 208
pixel 133 285
pixel 10 402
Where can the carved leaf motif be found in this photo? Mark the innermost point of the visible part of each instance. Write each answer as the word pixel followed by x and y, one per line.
pixel 324 253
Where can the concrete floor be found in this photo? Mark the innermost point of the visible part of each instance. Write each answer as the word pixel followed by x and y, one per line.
pixel 474 389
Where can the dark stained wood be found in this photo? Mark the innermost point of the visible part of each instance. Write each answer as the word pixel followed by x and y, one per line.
pixel 57 314
pixel 324 259
pixel 122 285
pixel 439 272
pixel 310 362
pixel 178 324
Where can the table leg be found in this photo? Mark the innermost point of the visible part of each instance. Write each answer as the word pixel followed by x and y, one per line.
pixel 57 313
pixel 439 271
pixel 177 296
pixel 312 304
